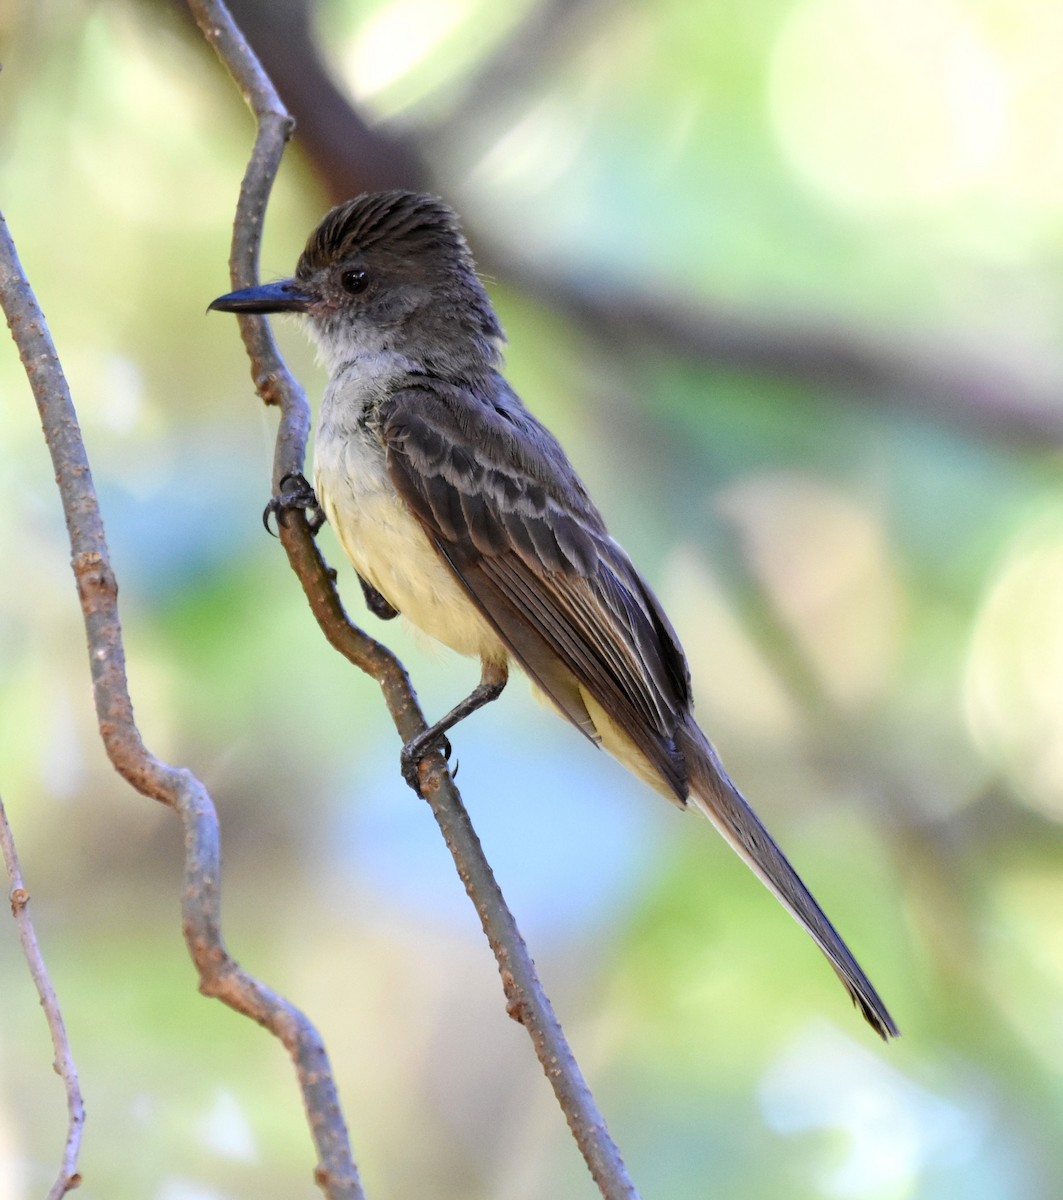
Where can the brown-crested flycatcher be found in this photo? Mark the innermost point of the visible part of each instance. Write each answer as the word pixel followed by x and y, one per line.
pixel 460 510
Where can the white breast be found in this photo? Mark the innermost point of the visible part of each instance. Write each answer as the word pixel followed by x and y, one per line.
pixel 379 534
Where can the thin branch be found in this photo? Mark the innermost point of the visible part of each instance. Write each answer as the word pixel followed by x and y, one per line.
pixel 219 974
pixel 69 1177
pixel 526 1000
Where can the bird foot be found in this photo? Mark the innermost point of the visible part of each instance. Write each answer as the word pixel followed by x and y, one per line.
pixel 295 493
pixel 417 749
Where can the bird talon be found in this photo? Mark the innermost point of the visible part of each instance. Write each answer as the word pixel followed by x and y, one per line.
pixel 417 749
pixel 295 493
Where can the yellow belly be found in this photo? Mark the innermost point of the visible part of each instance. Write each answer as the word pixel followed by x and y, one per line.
pixel 389 549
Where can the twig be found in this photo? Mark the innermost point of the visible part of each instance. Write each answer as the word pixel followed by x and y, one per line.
pixel 526 1000
pixel 219 974
pixel 69 1176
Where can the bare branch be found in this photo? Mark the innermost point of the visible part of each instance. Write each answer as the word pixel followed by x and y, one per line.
pixel 219 973
pixel 69 1177
pixel 526 1000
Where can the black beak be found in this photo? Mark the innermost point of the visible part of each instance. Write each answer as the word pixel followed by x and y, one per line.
pixel 286 295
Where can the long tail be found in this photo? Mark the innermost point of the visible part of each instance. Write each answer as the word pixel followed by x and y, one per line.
pixel 713 792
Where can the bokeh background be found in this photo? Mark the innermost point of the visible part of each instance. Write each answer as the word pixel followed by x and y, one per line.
pixel 785 278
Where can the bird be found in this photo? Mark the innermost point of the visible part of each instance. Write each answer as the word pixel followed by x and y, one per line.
pixel 460 510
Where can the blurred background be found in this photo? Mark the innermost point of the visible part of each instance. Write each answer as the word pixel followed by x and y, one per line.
pixel 785 278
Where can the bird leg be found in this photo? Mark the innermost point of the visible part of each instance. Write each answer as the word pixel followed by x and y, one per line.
pixel 295 492
pixel 493 676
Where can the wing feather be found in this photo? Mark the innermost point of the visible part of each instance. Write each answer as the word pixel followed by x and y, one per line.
pixel 497 497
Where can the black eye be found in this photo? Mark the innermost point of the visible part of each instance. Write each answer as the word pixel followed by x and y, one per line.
pixel 355 280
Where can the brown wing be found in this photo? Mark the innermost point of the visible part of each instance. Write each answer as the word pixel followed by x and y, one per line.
pixel 500 501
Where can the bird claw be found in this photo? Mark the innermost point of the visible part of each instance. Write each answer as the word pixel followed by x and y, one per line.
pixel 417 750
pixel 295 493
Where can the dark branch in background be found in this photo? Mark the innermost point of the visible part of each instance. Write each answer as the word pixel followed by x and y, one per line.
pixel 219 974
pixel 545 33
pixel 68 1177
pixel 525 998
pixel 946 378
pixel 954 380
pixel 281 34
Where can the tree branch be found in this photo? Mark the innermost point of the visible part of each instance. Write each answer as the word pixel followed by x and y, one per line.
pixel 69 1177
pixel 219 974
pixel 526 1000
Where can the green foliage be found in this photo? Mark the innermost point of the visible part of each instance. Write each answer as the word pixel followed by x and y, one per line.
pixel 869 590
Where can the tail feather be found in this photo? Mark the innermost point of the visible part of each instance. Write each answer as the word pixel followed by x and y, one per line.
pixel 712 791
